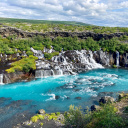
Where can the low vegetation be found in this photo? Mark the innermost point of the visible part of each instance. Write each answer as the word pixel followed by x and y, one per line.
pixel 50 55
pixel 52 116
pixel 68 26
pixel 25 65
pixel 106 117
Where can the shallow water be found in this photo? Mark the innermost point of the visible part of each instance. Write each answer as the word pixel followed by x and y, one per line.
pixel 40 93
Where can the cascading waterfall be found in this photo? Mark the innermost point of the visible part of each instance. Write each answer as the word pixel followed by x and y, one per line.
pixel 1 78
pixel 60 59
pixel 60 71
pixel 117 58
pixel 37 53
pixel 87 59
pixel 67 63
pixel 104 57
pixel 52 72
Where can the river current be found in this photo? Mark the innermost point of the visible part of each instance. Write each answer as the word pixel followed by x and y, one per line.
pixel 58 93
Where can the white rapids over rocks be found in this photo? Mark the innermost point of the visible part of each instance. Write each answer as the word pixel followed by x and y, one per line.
pixel 1 79
pixel 66 63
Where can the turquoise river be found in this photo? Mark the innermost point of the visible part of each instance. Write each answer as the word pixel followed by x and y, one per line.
pixel 58 93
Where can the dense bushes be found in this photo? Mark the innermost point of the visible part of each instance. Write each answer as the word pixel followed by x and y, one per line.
pixel 50 55
pixel 11 45
pixel 24 65
pixel 106 117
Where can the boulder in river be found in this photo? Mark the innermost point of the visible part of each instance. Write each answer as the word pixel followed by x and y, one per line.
pixel 78 98
pixel 57 97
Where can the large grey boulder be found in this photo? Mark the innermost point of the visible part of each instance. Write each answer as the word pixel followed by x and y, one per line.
pixel 41 111
pixel 106 99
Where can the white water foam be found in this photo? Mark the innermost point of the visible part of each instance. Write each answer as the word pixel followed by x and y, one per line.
pixel 1 79
pixel 52 96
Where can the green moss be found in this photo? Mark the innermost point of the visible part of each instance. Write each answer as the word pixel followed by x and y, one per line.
pixel 41 124
pixel 53 114
pixel 34 119
pixel 41 117
pixel 50 117
pixel 57 113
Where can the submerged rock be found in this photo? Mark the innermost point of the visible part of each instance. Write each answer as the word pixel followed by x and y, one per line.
pixel 78 98
pixel 76 90
pixel 57 97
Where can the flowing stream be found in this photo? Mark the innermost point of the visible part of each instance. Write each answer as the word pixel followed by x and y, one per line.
pixel 58 93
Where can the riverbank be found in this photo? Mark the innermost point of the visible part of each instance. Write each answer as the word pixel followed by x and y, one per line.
pixel 117 110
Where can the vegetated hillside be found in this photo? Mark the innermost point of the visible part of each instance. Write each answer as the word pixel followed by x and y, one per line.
pixel 63 26
pixel 12 21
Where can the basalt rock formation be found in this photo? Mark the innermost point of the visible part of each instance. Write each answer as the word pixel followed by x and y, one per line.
pixel 69 63
pixel 6 31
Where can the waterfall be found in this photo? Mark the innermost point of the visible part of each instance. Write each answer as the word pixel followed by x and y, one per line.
pixel 86 58
pixel 52 72
pixel 104 58
pixel 69 62
pixel 1 78
pixel 117 58
pixel 37 53
pixel 58 70
pixel 60 59
pixel 61 72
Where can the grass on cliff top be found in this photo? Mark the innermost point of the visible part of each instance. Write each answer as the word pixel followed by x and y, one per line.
pixel 65 26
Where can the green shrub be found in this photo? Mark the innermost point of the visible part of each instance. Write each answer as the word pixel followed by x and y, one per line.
pixel 126 109
pixel 106 117
pixel 50 55
pixel 74 117
pixel 114 66
pixel 29 53
pixel 24 64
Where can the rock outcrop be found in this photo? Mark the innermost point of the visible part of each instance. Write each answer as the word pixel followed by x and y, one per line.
pixel 106 99
pixel 6 31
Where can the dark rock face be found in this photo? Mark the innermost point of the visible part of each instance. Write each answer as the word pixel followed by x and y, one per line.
pixel 17 76
pixel 95 107
pixel 106 99
pixel 6 31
